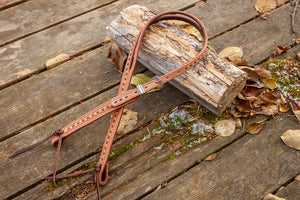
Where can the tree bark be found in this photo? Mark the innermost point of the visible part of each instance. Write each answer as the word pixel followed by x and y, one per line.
pixel 214 82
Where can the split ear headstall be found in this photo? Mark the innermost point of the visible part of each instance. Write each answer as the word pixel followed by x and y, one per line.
pixel 124 97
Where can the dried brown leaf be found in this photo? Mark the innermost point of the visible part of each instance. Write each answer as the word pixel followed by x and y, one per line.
pixel 231 53
pixel 269 109
pixel 256 127
pixel 295 109
pixel 238 61
pixel 298 54
pixel 252 75
pixel 211 157
pixel 270 97
pixel 263 73
pixel 270 83
pixel 225 127
pixel 187 28
pixel 284 107
pixel 272 197
pixel 128 121
pixel 117 56
pixel 280 50
pixel 243 106
pixel 249 91
pixel 292 138
pixel 264 6
pixel 238 122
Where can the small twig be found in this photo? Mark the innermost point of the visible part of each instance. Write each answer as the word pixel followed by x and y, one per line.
pixel 243 43
pixel 293 16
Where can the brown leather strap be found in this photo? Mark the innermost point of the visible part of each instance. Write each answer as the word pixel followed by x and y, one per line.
pixel 125 96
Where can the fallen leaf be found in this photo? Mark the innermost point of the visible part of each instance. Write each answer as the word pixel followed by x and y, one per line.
pixel 238 61
pixel 225 127
pixel 280 50
pixel 269 109
pixel 270 97
pixel 292 138
pixel 284 107
pixel 211 157
pixel 264 6
pixel 272 197
pixel 252 75
pixel 298 54
pixel 56 60
pixel 295 109
pixel 270 83
pixel 139 79
pixel 280 3
pixel 128 121
pixel 188 28
pixel 263 73
pixel 256 127
pixel 297 178
pixel 238 122
pixel 117 56
pixel 193 31
pixel 243 106
pixel 231 53
pixel 252 91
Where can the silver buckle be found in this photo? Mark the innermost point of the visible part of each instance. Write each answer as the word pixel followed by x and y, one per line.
pixel 159 80
pixel 140 89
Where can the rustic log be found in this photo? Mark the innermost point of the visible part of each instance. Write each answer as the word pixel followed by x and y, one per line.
pixel 214 82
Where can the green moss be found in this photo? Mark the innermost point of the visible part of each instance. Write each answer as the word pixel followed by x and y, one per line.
pixel 286 72
pixel 173 156
pixel 114 154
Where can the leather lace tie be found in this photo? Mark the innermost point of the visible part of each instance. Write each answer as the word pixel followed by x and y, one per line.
pixel 124 97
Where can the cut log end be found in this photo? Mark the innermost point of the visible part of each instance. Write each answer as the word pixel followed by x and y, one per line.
pixel 214 82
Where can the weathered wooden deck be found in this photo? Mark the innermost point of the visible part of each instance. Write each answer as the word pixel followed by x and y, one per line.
pixel 36 100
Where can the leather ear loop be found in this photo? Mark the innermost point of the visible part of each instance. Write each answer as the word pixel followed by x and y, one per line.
pixel 103 175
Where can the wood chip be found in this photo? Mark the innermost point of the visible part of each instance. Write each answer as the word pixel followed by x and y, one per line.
pixel 264 6
pixel 211 157
pixel 128 121
pixel 56 60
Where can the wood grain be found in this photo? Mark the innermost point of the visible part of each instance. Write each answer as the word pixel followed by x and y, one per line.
pixel 248 169
pixel 262 35
pixel 38 163
pixel 27 56
pixel 21 20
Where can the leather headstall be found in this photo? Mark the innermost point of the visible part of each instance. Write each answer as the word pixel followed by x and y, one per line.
pixel 124 97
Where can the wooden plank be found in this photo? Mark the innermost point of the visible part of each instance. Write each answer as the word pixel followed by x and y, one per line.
pixel 290 192
pixel 248 169
pixel 27 56
pixel 28 102
pixel 214 82
pixel 21 20
pixel 222 15
pixel 4 4
pixel 37 163
pixel 40 190
pixel 168 169
pixel 262 35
